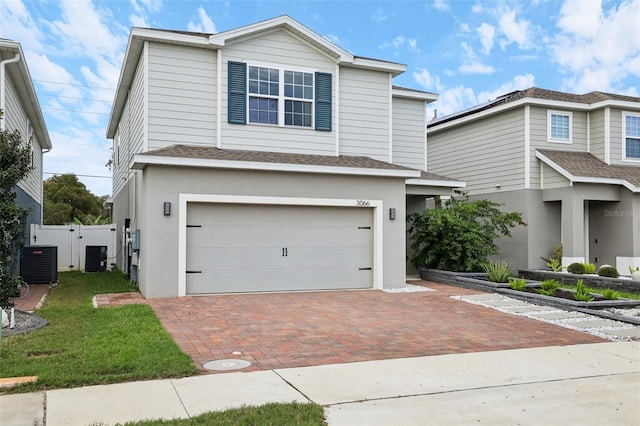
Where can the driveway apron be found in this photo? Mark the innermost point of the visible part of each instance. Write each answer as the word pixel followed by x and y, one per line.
pixel 282 330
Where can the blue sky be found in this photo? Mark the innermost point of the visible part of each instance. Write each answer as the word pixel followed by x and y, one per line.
pixel 466 51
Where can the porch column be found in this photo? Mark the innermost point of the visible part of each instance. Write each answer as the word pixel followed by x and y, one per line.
pixel 573 239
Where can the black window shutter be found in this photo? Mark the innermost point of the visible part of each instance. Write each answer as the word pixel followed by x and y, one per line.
pixel 237 81
pixel 323 101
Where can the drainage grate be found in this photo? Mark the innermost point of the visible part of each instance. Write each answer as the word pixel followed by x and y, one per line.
pixel 226 364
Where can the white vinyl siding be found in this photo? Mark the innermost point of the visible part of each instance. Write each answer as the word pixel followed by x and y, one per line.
pixel 596 146
pixel 131 130
pixel 364 113
pixel 553 179
pixel 409 132
pixel 276 49
pixel 15 118
pixel 483 153
pixel 182 94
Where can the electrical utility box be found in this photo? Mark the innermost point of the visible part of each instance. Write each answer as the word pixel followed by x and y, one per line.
pixel 39 264
pixel 95 259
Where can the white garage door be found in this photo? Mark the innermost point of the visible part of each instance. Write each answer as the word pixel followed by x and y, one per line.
pixel 245 248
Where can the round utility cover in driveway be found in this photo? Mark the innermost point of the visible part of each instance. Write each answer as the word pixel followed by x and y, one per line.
pixel 226 364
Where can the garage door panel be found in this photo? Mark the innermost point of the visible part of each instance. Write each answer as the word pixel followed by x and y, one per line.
pixel 244 248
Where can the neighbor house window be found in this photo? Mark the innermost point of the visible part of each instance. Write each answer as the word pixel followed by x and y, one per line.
pixel 631 136
pixel 559 126
pixel 279 96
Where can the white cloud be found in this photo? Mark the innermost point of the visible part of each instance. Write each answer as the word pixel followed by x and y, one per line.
pixel 519 82
pixel 379 16
pixel 453 99
pixel 424 78
pixel 465 28
pixel 471 63
pixel 605 56
pixel 17 24
pixel 487 33
pixel 441 5
pixel 514 30
pixel 402 42
pixel 205 25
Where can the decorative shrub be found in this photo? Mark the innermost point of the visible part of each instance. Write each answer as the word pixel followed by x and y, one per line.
pixel 576 268
pixel 517 284
pixel 608 271
pixel 548 287
pixel 589 268
pixel 610 294
pixel 555 265
pixel 582 294
pixel 497 272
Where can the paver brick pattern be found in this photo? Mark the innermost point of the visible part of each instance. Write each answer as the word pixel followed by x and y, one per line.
pixel 281 330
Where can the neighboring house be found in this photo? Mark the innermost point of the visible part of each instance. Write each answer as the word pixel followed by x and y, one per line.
pixel 264 158
pixel 570 163
pixel 22 111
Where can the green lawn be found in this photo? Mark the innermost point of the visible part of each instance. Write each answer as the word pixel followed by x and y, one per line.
pixel 269 414
pixel 83 345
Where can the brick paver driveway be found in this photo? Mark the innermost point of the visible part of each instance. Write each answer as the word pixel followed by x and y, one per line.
pixel 281 330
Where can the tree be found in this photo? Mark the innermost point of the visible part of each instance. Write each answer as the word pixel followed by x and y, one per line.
pixel 15 165
pixel 461 235
pixel 67 200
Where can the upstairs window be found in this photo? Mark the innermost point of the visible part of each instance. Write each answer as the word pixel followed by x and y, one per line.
pixel 631 136
pixel 559 126
pixel 279 97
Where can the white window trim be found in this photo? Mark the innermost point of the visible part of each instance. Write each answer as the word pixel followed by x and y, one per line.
pixel 281 98
pixel 551 139
pixel 624 137
pixel 185 199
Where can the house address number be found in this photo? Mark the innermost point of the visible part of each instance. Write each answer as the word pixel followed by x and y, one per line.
pixel 363 203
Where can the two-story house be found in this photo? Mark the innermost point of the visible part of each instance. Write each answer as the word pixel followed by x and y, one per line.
pixel 264 158
pixel 22 112
pixel 570 163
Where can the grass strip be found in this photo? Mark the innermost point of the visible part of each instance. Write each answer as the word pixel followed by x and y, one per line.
pixel 621 294
pixel 84 346
pixel 269 414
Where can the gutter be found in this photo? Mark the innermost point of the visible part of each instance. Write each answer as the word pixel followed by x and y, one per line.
pixel 3 85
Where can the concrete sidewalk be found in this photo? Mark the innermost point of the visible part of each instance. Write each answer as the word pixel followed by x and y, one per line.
pixel 585 384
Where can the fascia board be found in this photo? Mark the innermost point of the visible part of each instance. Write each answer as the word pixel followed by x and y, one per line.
pixel 372 64
pixel 617 104
pixel 141 161
pixel 421 96
pixel 429 182
pixel 585 179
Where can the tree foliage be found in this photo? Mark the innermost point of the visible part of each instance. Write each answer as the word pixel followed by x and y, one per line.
pixel 461 235
pixel 15 164
pixel 67 200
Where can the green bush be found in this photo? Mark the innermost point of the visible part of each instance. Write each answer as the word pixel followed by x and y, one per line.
pixel 589 268
pixel 460 235
pixel 517 284
pixel 610 294
pixel 555 265
pixel 582 294
pixel 548 287
pixel 608 271
pixel 497 272
pixel 576 268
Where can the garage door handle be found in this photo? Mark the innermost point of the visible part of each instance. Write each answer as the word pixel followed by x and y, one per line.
pixel 285 252
pixel 364 269
pixel 194 272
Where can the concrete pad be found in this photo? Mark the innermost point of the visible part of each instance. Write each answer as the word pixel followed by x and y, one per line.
pixel 633 333
pixel 559 315
pixel 502 303
pixel 594 323
pixel 482 297
pixel 217 392
pixel 588 401
pixel 630 350
pixel 110 404
pixel 22 409
pixel 340 383
pixel 526 309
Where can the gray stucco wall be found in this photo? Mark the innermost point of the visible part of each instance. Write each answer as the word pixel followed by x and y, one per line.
pixel 613 229
pixel 159 233
pixel 25 201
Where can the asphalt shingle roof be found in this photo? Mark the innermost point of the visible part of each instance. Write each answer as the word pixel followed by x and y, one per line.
pixel 213 153
pixel 584 164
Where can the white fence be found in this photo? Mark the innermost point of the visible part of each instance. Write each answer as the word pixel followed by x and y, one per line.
pixel 72 241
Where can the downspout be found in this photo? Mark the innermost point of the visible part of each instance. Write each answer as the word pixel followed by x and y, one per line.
pixel 3 85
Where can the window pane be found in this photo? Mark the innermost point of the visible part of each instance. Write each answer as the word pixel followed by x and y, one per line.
pixel 274 75
pixel 308 79
pixel 632 148
pixel 288 119
pixel 288 90
pixel 559 126
pixel 253 73
pixel 288 77
pixel 308 93
pixel 264 73
pixel 297 113
pixel 263 110
pixel 253 86
pixel 273 89
pixel 632 126
pixel 253 103
pixel 297 92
